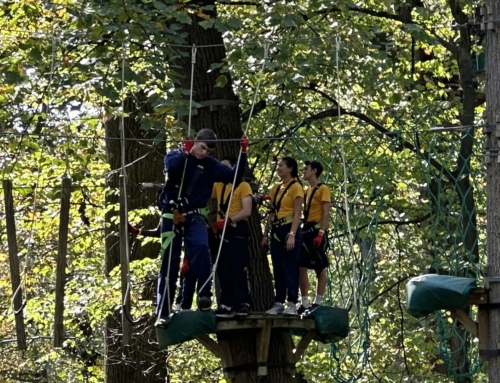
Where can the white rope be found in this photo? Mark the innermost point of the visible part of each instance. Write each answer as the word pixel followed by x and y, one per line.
pixel 261 72
pixel 346 200
pixel 166 288
pixel 123 174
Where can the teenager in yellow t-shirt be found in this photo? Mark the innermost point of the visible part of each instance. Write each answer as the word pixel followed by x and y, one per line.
pixel 314 244
pixel 233 266
pixel 286 236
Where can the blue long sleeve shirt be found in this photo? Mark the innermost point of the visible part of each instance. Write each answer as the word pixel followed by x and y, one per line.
pixel 199 177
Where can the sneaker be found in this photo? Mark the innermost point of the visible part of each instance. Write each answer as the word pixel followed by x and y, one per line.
pixel 224 312
pixel 204 303
pixel 163 322
pixel 244 309
pixel 177 308
pixel 291 309
pixel 310 309
pixel 302 309
pixel 276 309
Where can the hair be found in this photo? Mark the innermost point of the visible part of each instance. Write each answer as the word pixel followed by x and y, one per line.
pixel 315 165
pixel 292 163
pixel 207 136
pixel 232 160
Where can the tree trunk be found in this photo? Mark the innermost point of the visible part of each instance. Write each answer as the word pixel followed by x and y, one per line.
pixel 225 121
pixel 139 361
pixel 493 180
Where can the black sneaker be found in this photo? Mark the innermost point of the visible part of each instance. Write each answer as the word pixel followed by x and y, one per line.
pixel 244 309
pixel 224 312
pixel 204 303
pixel 163 322
pixel 301 310
pixel 310 309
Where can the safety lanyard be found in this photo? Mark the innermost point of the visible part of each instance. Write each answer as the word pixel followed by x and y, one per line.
pixel 277 205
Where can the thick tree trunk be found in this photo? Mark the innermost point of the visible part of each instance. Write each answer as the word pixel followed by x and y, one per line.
pixel 225 121
pixel 493 180
pixel 140 361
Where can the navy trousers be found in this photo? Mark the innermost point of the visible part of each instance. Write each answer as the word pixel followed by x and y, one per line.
pixel 196 241
pixel 233 267
pixel 285 263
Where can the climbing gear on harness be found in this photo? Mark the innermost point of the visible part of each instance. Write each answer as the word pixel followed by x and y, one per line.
pixel 282 221
pixel 178 217
pixel 307 205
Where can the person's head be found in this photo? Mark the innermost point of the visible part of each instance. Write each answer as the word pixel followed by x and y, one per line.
pixel 204 143
pixel 311 168
pixel 228 160
pixel 287 167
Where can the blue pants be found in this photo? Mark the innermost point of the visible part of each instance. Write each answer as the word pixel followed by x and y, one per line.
pixel 285 263
pixel 233 266
pixel 196 241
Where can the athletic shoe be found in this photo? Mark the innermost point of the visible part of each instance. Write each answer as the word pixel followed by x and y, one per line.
pixel 177 308
pixel 204 303
pixel 276 309
pixel 224 312
pixel 291 309
pixel 302 309
pixel 244 309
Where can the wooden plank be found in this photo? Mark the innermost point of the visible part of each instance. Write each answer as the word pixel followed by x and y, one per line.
pixel 256 323
pixel 17 291
pixel 482 330
pixel 210 344
pixel 477 296
pixel 289 349
pixel 227 360
pixel 263 347
pixel 306 323
pixel 124 263
pixel 466 321
pixel 62 252
pixel 302 345
pixel 227 325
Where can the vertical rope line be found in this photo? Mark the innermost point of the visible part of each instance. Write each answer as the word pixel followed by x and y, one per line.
pixel 123 171
pixel 193 63
pixel 261 72
pixel 344 166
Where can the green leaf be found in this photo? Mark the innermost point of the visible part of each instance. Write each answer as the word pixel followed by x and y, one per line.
pixel 221 81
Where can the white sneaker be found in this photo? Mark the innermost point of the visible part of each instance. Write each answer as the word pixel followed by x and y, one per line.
pixel 177 308
pixel 291 309
pixel 276 309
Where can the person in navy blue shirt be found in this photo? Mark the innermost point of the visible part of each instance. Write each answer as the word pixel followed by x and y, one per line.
pixel 191 174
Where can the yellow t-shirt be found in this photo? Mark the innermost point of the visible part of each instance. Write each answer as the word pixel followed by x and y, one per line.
pixel 243 190
pixel 286 206
pixel 316 210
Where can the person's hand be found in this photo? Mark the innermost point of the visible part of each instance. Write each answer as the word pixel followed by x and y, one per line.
pixel 317 241
pixel 187 144
pixel 264 198
pixel 219 225
pixel 290 242
pixel 244 144
pixel 263 242
pixel 185 266
pixel 133 231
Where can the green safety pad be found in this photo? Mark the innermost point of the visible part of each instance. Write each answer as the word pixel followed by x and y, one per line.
pixel 332 324
pixel 185 326
pixel 431 292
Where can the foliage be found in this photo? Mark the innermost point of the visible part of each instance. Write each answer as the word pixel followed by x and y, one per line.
pixel 358 85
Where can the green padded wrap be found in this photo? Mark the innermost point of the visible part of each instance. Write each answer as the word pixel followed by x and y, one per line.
pixel 185 326
pixel 431 292
pixel 332 324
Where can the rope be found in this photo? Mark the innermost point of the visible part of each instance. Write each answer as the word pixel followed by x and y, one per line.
pixel 231 193
pixel 166 288
pixel 344 168
pixel 123 174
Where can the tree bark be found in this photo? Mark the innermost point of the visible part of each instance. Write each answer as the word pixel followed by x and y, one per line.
pixel 140 361
pixel 493 179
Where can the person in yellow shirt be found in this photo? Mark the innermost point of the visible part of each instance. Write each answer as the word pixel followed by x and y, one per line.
pixel 314 243
pixel 286 236
pixel 233 264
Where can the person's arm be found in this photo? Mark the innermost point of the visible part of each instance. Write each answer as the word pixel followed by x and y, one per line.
pixel 325 216
pixel 297 212
pixel 246 210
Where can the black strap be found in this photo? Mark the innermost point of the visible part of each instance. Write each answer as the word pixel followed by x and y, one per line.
pixel 277 205
pixel 307 205
pixel 193 181
pixel 223 205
